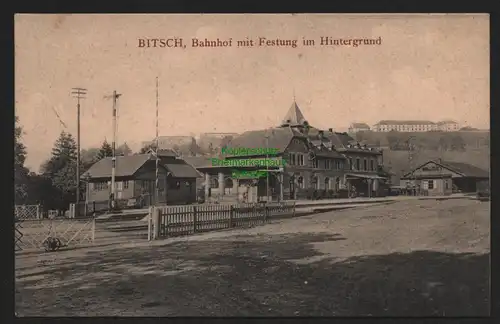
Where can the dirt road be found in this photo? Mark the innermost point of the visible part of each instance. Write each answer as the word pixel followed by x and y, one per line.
pixel 410 258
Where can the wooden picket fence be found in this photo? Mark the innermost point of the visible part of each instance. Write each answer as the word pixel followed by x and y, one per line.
pixel 186 220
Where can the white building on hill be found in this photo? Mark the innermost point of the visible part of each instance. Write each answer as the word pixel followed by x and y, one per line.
pixel 448 126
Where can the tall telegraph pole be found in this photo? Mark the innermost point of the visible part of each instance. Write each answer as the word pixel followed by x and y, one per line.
pixel 115 97
pixel 411 162
pixel 156 149
pixel 78 93
pixel 267 166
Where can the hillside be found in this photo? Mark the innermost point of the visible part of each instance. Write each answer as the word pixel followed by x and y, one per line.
pixel 427 140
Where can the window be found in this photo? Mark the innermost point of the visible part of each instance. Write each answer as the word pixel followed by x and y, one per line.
pixel 430 184
pixel 328 164
pixel 372 165
pixel 214 183
pixel 446 184
pixel 101 185
pixel 315 182
pixel 292 159
pixel 300 181
pixel 327 183
pixel 365 164
pixel 357 164
pixel 177 185
pixel 301 159
pixel 125 184
pixel 315 163
pixel 350 164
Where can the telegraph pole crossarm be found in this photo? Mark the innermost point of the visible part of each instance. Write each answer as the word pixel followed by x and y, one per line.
pixel 78 93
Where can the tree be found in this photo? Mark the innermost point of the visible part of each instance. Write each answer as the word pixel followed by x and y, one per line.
pixel 63 152
pixel 444 142
pixel 61 170
pixel 41 191
pixel 467 129
pixel 145 149
pixel 21 178
pixel 105 151
pixel 211 149
pixel 226 140
pixel 393 140
pixel 457 143
pixel 360 136
pixel 123 149
pixel 88 157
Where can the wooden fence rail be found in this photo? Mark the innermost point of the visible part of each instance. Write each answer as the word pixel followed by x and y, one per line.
pixel 185 220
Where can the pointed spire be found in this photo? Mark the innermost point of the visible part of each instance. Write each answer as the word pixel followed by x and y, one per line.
pixel 294 116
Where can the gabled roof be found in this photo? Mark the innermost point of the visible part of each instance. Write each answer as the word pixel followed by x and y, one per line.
pixel 199 161
pixel 127 166
pixel 294 116
pixel 279 138
pixel 162 152
pixel 359 125
pixel 446 121
pixel 405 122
pixel 340 140
pixel 467 170
pixel 181 169
pixel 464 169
pixel 326 152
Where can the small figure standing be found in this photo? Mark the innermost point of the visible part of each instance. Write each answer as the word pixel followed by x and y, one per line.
pixel 111 201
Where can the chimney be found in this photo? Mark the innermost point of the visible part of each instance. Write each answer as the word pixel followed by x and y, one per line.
pixel 330 130
pixel 305 128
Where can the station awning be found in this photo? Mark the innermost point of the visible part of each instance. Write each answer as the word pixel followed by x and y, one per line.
pixel 364 176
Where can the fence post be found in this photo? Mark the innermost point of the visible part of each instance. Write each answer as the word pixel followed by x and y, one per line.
pixel 293 208
pixel 194 219
pixel 93 230
pixel 38 212
pixel 231 216
pixel 156 222
pixel 150 221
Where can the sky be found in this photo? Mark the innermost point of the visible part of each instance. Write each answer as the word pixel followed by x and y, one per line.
pixel 429 67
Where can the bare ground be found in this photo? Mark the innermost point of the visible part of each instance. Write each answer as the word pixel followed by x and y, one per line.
pixel 410 258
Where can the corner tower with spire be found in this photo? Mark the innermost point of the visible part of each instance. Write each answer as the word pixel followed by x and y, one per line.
pixel 294 117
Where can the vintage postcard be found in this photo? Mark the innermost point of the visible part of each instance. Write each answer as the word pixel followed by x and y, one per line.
pixel 252 165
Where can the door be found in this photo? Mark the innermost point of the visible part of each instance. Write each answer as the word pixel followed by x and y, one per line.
pixel 292 188
pixel 119 190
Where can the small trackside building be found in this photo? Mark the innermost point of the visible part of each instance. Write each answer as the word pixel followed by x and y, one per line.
pixel 135 177
pixel 440 177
